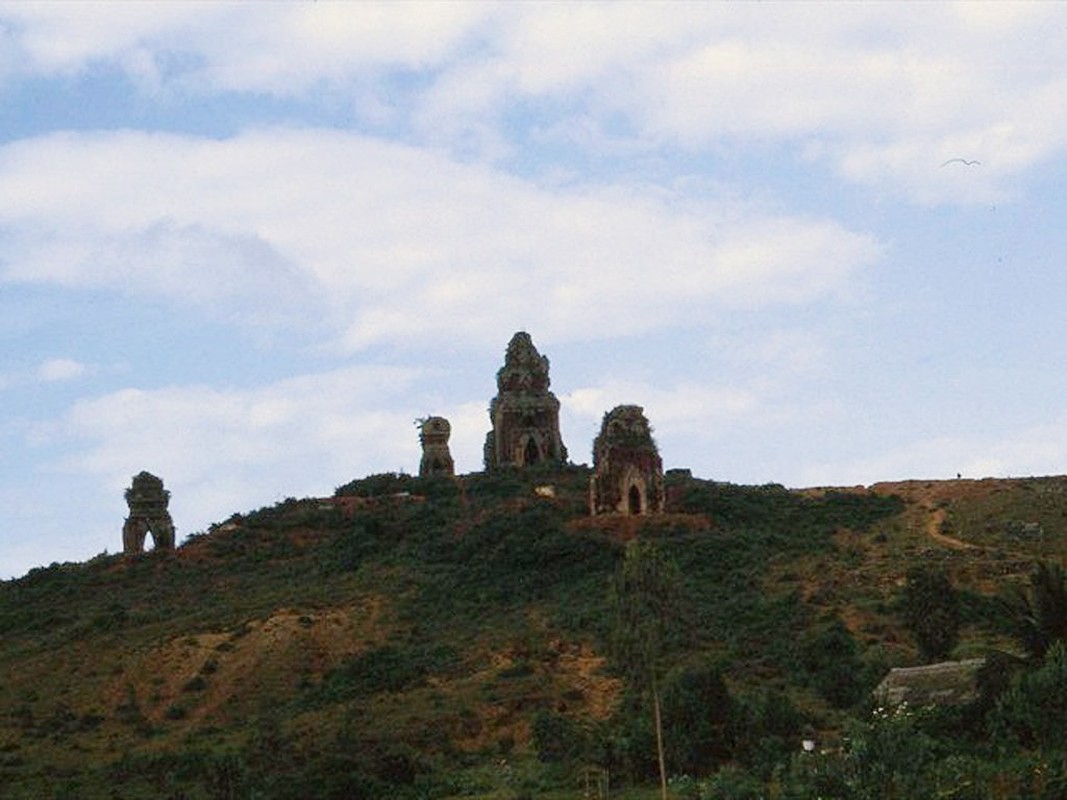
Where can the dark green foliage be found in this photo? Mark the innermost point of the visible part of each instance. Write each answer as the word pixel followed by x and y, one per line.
pixel 351 547
pixel 699 720
pixel 768 730
pixel 774 506
pixel 1036 616
pixel 390 668
pixel 510 557
pixel 351 767
pixel 831 663
pixel 177 711
pixel 645 595
pixel 630 750
pixel 726 602
pixel 383 484
pixel 507 486
pixel 1033 710
pixel 734 783
pixel 931 610
pixel 556 738
pixel 888 756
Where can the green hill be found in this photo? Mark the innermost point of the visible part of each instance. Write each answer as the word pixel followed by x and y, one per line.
pixel 448 638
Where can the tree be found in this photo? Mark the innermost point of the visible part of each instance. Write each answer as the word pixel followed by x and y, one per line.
pixel 645 599
pixel 931 610
pixel 1035 707
pixel 700 714
pixel 828 654
pixel 555 737
pixel 1036 616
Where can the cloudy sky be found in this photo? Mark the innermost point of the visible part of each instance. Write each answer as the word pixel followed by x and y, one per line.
pixel 244 245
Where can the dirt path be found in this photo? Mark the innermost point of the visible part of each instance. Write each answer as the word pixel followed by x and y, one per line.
pixel 933 530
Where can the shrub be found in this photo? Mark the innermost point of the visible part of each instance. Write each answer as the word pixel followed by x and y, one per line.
pixel 698 717
pixel 381 485
pixel 732 783
pixel 1033 710
pixel 768 731
pixel 556 738
pixel 931 611
pixel 176 712
pixel 829 657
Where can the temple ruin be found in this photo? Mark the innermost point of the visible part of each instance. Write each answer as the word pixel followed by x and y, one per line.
pixel 524 414
pixel 148 501
pixel 628 471
pixel 434 433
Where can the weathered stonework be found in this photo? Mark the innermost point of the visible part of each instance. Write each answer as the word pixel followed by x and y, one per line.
pixel 950 683
pixel 524 414
pixel 148 501
pixel 436 457
pixel 628 471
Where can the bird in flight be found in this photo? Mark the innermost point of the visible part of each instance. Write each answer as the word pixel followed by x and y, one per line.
pixel 963 161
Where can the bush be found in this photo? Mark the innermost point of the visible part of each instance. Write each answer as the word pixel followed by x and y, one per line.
pixel 1034 709
pixel 556 739
pixel 829 657
pixel 390 668
pixel 698 720
pixel 381 485
pixel 732 783
pixel 768 731
pixel 931 611
pixel 176 712
pixel 350 548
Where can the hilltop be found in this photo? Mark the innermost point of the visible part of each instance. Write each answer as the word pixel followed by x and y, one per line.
pixel 407 637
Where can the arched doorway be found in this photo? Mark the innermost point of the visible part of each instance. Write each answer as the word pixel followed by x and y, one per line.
pixel 532 454
pixel 633 505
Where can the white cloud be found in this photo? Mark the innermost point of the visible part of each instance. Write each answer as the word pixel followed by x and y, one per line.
pixel 60 369
pixel 684 407
pixel 220 449
pixel 682 413
pixel 276 48
pixel 883 93
pixel 332 228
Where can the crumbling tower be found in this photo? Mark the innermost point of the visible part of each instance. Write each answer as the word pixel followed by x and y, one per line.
pixel 148 501
pixel 436 457
pixel 524 414
pixel 628 471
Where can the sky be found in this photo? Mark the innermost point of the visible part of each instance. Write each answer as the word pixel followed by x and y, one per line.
pixel 244 246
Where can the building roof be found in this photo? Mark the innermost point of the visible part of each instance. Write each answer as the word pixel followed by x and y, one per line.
pixel 950 683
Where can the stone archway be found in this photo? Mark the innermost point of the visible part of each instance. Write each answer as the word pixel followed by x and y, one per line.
pixel 634 504
pixel 137 529
pixel 532 454
pixel 148 501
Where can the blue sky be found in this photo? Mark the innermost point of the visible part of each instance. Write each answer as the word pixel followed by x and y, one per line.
pixel 244 245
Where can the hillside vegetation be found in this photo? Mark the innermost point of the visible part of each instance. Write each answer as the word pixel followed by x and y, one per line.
pixel 442 638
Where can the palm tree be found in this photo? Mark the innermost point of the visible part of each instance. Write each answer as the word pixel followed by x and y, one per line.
pixel 1036 615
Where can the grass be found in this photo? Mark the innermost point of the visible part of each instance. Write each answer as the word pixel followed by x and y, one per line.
pixel 449 613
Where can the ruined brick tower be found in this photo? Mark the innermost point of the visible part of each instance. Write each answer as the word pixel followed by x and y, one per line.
pixel 628 471
pixel 524 414
pixel 148 501
pixel 436 457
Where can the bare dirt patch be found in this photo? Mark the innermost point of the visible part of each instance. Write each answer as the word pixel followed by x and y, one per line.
pixel 208 674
